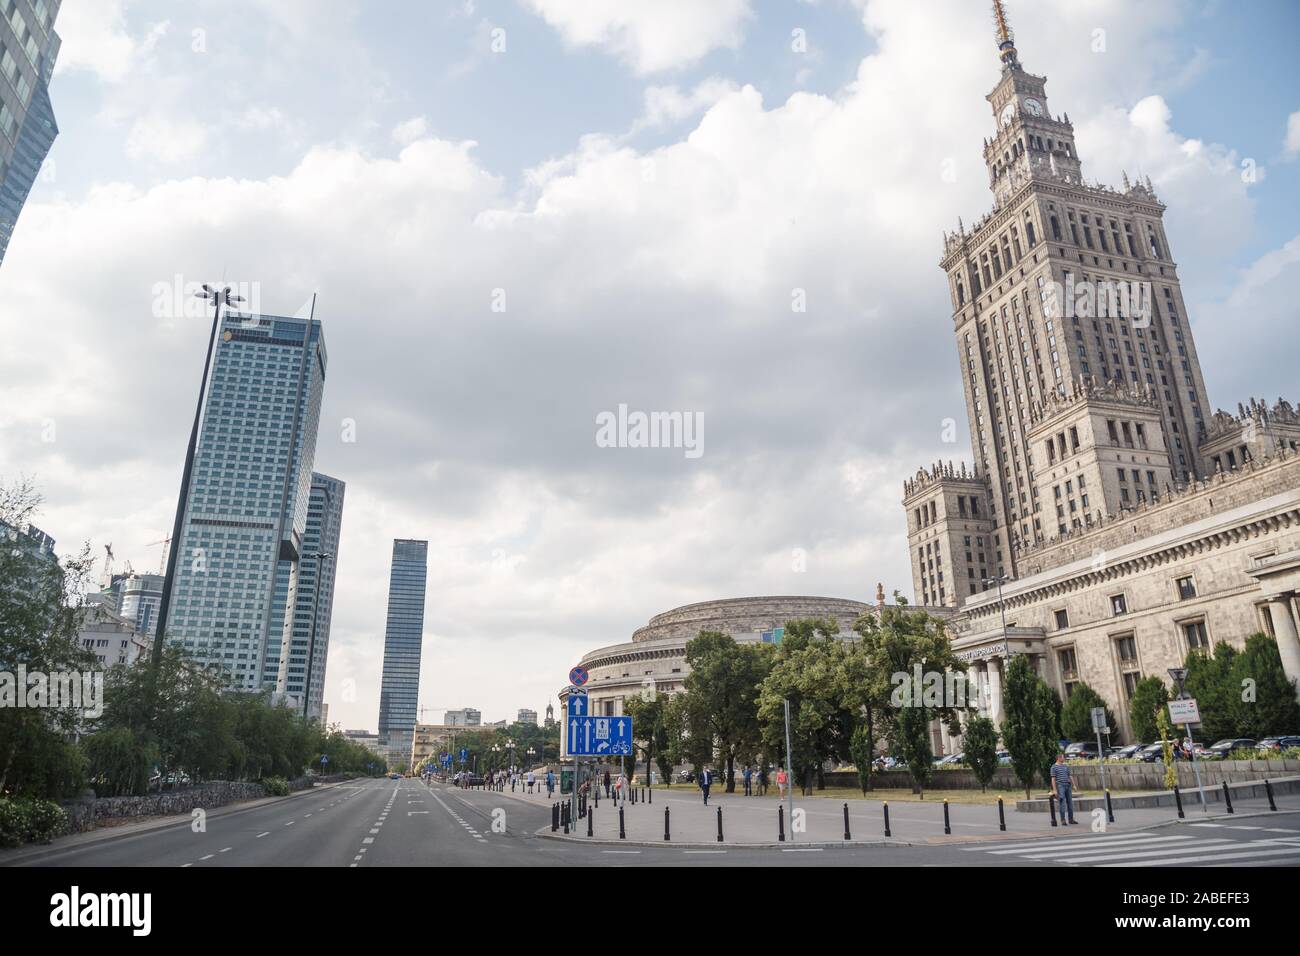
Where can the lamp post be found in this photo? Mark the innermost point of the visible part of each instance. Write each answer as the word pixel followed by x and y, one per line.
pixel 320 557
pixel 218 298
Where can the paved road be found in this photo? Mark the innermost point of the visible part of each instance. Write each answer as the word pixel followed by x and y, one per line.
pixel 404 823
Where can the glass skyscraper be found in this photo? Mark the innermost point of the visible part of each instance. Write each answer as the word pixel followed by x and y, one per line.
pixel 246 513
pixel 28 48
pixel 400 687
pixel 308 631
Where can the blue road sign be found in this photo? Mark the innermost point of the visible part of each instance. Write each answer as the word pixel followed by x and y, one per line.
pixel 446 760
pixel 324 758
pixel 578 705
pixel 464 755
pixel 599 736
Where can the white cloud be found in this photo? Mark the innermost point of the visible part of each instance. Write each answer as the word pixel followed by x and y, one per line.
pixel 650 35
pixel 667 105
pixel 410 130
pixel 96 38
pixel 164 140
pixel 1292 142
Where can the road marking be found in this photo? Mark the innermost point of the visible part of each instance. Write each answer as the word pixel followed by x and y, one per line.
pixel 411 813
pixel 184 865
pixel 1206 824
pixel 804 849
pixel 260 835
pixel 368 840
pixel 305 817
pixel 1044 847
pixel 1279 830
pixel 208 857
pixel 1212 858
pixel 374 829
pixel 357 857
pixel 1245 828
pixel 705 852
pixel 226 850
pixel 290 823
pixel 1060 843
pixel 629 852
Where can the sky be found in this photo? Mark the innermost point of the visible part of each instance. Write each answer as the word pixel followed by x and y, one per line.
pixel 518 215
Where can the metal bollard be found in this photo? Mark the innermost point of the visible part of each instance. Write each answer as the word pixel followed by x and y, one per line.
pixel 1051 807
pixel 632 794
pixel 650 797
pixel 555 817
pixel 1002 815
pixel 1227 797
pixel 666 837
pixel 1268 789
pixel 1110 811
pixel 590 816
pixel 719 824
pixel 886 805
pixel 1178 799
pixel 847 835
pixel 780 823
pixel 622 830
pixel 564 818
pixel 947 827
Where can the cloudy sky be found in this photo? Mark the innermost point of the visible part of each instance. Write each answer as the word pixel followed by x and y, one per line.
pixel 644 185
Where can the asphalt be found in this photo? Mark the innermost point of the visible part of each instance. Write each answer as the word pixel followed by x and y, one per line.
pixel 390 823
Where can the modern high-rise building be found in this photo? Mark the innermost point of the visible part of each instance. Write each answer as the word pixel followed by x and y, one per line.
pixel 246 513
pixel 399 688
pixel 308 630
pixel 28 48
pixel 138 596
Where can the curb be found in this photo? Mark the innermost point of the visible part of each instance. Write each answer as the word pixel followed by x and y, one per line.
pixel 127 831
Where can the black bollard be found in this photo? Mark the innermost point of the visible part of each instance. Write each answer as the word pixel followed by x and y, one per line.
pixel 1002 815
pixel 632 794
pixel 622 831
pixel 780 823
pixel 886 805
pixel 947 827
pixel 590 816
pixel 564 818
pixel 719 824
pixel 1178 799
pixel 847 835
pixel 1268 789
pixel 1110 811
pixel 1227 797
pixel 666 836
pixel 1051 807
pixel 555 817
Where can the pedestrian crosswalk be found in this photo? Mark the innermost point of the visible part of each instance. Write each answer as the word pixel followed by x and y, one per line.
pixel 1155 848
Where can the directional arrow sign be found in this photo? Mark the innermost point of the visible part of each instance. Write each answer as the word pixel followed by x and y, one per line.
pixel 599 736
pixel 578 705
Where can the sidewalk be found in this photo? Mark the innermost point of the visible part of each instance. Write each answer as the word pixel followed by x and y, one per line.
pixel 752 821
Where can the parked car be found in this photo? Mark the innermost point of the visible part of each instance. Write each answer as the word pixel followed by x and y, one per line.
pixel 394 776
pixel 1127 752
pixel 1276 744
pixel 1082 750
pixel 951 760
pixel 1152 753
pixel 1222 748
pixel 1004 758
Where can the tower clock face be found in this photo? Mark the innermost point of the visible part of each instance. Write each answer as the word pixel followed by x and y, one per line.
pixel 1008 111
pixel 1033 107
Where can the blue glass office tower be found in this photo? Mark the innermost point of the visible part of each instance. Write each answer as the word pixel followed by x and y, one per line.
pixel 400 687
pixel 308 631
pixel 246 513
pixel 28 48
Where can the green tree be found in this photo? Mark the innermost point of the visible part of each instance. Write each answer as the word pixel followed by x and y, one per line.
pixel 117 764
pixel 1047 727
pixel 1023 720
pixel 862 750
pixel 1265 700
pixel 721 695
pixel 912 739
pixel 1210 681
pixel 650 731
pixel 1149 697
pixel 981 749
pixel 1076 713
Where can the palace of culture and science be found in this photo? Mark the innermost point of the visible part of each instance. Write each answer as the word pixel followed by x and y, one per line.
pixel 1111 521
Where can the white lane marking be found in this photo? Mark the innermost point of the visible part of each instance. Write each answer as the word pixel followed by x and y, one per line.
pixel 1213 858
pixel 368 840
pixel 260 835
pixel 374 829
pixel 705 852
pixel 1134 846
pixel 208 857
pixel 802 849
pixel 630 852
pixel 290 823
pixel 226 850
pixel 1208 846
pixel 1059 842
pixel 184 865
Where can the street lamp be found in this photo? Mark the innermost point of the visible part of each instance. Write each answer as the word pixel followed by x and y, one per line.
pixel 1000 580
pixel 320 558
pixel 218 298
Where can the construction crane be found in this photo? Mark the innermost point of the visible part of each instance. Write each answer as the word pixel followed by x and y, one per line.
pixel 107 580
pixel 166 543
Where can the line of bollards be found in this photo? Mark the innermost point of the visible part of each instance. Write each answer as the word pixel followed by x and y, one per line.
pixel 590 817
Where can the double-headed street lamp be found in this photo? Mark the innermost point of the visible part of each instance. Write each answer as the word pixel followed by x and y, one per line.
pixel 218 298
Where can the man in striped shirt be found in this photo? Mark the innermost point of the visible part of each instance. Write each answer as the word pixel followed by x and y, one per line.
pixel 1063 789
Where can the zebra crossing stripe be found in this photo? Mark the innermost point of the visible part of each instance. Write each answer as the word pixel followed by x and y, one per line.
pixel 1213 858
pixel 1059 841
pixel 1209 846
pixel 1079 846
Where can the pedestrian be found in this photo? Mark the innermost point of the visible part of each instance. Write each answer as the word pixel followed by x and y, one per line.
pixel 607 794
pixel 532 780
pixel 782 779
pixel 550 783
pixel 762 781
pixel 748 781
pixel 1063 789
pixel 706 781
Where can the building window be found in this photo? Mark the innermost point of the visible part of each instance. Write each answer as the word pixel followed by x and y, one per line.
pixel 1062 619
pixel 1065 659
pixel 1186 588
pixel 1195 634
pixel 1118 605
pixel 1131 679
pixel 1126 648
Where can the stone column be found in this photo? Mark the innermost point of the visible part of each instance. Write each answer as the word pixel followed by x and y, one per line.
pixel 995 692
pixel 981 687
pixel 945 739
pixel 1288 641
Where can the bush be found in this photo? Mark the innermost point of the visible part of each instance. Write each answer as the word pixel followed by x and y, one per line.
pixel 276 786
pixel 30 821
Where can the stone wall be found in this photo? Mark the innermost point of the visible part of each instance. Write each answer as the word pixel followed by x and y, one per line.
pixel 1119 776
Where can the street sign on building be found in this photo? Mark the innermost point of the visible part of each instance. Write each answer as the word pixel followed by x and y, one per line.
pixel 599 736
pixel 1184 711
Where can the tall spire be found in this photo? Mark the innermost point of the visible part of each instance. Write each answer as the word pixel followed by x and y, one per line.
pixel 1006 37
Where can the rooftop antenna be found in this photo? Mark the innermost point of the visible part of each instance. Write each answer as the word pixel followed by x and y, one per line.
pixel 1006 37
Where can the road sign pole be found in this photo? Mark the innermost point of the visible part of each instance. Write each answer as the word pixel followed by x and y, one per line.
pixel 1196 768
pixel 1101 755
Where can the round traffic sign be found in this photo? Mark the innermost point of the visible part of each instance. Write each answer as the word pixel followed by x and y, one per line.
pixel 578 676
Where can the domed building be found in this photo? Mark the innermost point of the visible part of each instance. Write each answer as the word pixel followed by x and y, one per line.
pixel 656 655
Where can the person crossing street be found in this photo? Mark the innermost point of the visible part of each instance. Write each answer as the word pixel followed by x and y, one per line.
pixel 1063 789
pixel 706 781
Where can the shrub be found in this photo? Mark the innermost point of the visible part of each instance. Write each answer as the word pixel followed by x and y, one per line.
pixel 276 786
pixel 30 821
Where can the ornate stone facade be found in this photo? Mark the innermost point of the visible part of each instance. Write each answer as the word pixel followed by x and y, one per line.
pixel 1109 524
